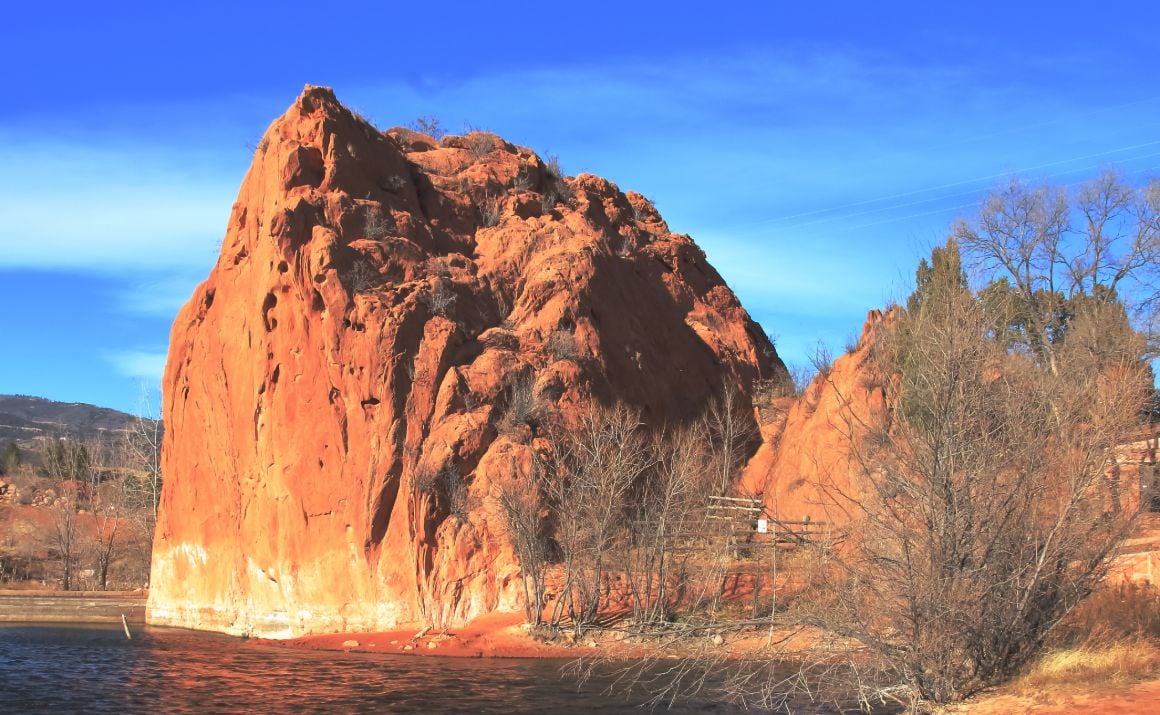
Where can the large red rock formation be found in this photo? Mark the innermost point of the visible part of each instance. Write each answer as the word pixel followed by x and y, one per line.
pixel 336 391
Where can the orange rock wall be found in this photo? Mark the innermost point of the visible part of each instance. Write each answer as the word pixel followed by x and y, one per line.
pixel 376 297
pixel 802 469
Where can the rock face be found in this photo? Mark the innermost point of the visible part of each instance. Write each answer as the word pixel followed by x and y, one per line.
pixel 345 387
pixel 804 458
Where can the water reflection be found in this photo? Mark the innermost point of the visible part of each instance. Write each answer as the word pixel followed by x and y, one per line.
pixel 96 670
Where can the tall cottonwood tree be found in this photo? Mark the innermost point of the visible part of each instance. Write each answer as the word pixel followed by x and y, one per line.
pixel 1048 254
pixel 103 503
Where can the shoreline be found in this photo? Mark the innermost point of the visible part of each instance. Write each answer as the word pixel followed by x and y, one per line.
pixel 504 636
pixel 495 635
pixel 19 606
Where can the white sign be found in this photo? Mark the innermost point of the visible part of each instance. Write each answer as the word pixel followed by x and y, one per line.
pixel 762 526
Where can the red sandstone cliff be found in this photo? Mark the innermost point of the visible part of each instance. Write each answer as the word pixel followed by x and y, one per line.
pixel 349 359
pixel 803 467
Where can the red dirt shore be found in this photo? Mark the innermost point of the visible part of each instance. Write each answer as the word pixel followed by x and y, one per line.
pixel 497 635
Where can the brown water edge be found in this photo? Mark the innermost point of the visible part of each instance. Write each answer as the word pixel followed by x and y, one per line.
pixel 72 606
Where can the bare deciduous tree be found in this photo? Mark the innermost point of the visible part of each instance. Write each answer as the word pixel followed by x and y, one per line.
pixel 141 458
pixel 68 463
pixel 732 433
pixel 523 512
pixel 105 496
pixel 667 523
pixel 1046 252
pixel 590 471
pixel 980 513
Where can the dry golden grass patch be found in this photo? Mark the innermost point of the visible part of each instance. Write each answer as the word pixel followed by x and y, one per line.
pixel 1092 665
pixel 1111 639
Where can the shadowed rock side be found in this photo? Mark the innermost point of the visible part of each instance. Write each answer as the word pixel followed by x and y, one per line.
pixel 336 391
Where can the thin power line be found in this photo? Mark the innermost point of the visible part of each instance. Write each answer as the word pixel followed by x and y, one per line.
pixel 944 197
pixel 989 177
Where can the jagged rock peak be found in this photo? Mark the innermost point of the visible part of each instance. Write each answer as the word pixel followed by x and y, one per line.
pixel 338 396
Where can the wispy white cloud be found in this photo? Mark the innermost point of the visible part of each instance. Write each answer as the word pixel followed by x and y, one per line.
pixel 144 365
pixel 159 295
pixel 70 207
pixel 812 177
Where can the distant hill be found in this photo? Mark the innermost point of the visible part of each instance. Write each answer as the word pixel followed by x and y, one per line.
pixel 24 419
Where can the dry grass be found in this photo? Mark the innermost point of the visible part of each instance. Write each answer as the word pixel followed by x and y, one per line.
pixel 1111 638
pixel 1092 665
pixel 1114 613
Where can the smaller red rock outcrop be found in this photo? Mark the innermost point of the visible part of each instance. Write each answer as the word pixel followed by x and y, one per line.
pixel 804 460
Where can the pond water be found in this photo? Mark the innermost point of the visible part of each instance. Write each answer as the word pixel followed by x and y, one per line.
pixel 91 669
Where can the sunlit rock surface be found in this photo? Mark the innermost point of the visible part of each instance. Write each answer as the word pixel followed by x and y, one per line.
pixel 350 360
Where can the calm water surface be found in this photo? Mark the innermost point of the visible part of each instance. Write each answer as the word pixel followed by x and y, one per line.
pixel 97 670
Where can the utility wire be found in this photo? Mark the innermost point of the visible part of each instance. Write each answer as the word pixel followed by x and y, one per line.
pixel 944 197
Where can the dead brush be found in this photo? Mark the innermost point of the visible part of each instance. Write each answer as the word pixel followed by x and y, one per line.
pixel 490 210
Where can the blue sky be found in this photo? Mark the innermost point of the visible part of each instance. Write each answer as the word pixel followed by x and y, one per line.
pixel 815 154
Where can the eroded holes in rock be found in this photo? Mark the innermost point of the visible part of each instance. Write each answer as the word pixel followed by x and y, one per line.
pixel 240 256
pixel 334 394
pixel 370 402
pixel 283 266
pixel 317 304
pixel 319 277
pixel 274 375
pixel 261 389
pixel 358 327
pixel 268 305
pixel 321 465
pixel 208 302
pixel 552 392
